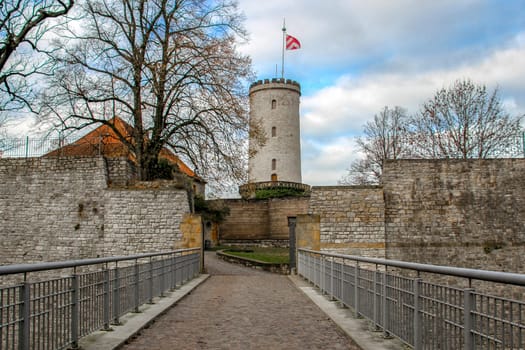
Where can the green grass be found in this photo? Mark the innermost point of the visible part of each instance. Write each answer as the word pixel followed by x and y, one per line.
pixel 269 255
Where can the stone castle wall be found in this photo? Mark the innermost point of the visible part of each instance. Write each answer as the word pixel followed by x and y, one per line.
pixel 351 219
pixel 445 212
pixel 248 220
pixel 51 209
pixel 261 220
pixel 449 212
pixel 56 209
pixel 143 220
pixel 452 212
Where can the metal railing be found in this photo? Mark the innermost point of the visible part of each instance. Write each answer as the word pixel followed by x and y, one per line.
pixel 61 146
pixel 423 314
pixel 54 313
pixel 29 147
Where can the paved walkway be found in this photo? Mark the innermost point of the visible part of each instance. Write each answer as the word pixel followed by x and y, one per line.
pixel 242 308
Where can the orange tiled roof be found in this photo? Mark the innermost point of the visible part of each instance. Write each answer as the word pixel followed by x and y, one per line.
pixel 104 141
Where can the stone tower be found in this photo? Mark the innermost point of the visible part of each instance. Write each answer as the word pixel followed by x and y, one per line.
pixel 274 105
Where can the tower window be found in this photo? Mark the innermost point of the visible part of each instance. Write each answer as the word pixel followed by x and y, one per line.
pixel 274 131
pixel 274 164
pixel 274 104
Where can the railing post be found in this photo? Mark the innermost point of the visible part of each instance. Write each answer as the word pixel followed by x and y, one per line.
pixel 178 271
pixel 150 284
pixel 343 283
pixel 375 306
pixel 322 274
pixel 75 314
pixel 313 261
pixel 183 269
pixel 173 271
pixel 332 279
pixel 198 270
pixel 25 316
pixel 298 263
pixel 418 345
pixel 468 307
pixel 116 296
pixel 136 290
pixel 162 277
pixel 107 295
pixel 356 289
pixel 385 304
pixel 310 270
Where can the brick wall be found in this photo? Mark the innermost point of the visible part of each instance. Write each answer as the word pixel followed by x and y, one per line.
pixel 451 212
pixel 351 219
pixel 61 208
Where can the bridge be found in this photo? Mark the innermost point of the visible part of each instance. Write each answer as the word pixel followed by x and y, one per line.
pixel 164 301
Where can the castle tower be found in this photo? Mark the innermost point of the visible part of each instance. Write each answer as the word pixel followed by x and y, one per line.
pixel 274 108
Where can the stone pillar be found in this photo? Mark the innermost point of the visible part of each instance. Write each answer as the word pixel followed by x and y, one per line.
pixel 308 231
pixel 191 228
pixel 192 235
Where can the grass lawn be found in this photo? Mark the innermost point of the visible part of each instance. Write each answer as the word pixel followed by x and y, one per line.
pixel 269 255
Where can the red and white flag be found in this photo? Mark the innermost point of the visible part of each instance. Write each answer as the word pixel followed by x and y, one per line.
pixel 292 43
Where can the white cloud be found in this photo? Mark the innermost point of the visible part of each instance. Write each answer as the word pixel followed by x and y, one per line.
pixel 344 107
pixel 373 33
pixel 325 164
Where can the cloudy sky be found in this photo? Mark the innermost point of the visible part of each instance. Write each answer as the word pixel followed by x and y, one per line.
pixel 358 56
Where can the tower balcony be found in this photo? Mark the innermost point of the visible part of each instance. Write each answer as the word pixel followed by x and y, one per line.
pixel 249 190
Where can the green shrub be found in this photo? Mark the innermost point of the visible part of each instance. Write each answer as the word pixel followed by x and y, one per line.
pixel 214 211
pixel 278 192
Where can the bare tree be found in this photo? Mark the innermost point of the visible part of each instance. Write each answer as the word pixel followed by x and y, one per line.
pixel 384 138
pixel 463 121
pixel 170 68
pixel 23 24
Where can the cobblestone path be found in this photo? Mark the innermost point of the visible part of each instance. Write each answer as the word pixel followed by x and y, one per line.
pixel 242 308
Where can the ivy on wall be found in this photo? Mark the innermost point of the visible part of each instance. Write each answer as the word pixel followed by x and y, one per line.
pixel 278 192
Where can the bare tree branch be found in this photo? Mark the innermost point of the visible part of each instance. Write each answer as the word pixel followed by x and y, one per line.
pixel 384 138
pixel 170 68
pixel 463 121
pixel 22 26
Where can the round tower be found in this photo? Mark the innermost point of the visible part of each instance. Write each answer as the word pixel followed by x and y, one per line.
pixel 274 119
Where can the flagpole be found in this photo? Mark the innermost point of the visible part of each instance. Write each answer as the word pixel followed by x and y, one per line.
pixel 284 44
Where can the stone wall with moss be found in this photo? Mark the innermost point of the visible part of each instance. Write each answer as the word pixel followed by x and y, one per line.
pixel 453 212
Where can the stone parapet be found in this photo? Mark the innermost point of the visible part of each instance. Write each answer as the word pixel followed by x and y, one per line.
pixel 275 83
pixel 248 190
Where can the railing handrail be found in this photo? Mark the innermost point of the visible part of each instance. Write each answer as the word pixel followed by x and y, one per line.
pixel 475 274
pixel 54 265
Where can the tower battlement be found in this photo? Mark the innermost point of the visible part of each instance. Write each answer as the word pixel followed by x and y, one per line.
pixel 275 83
